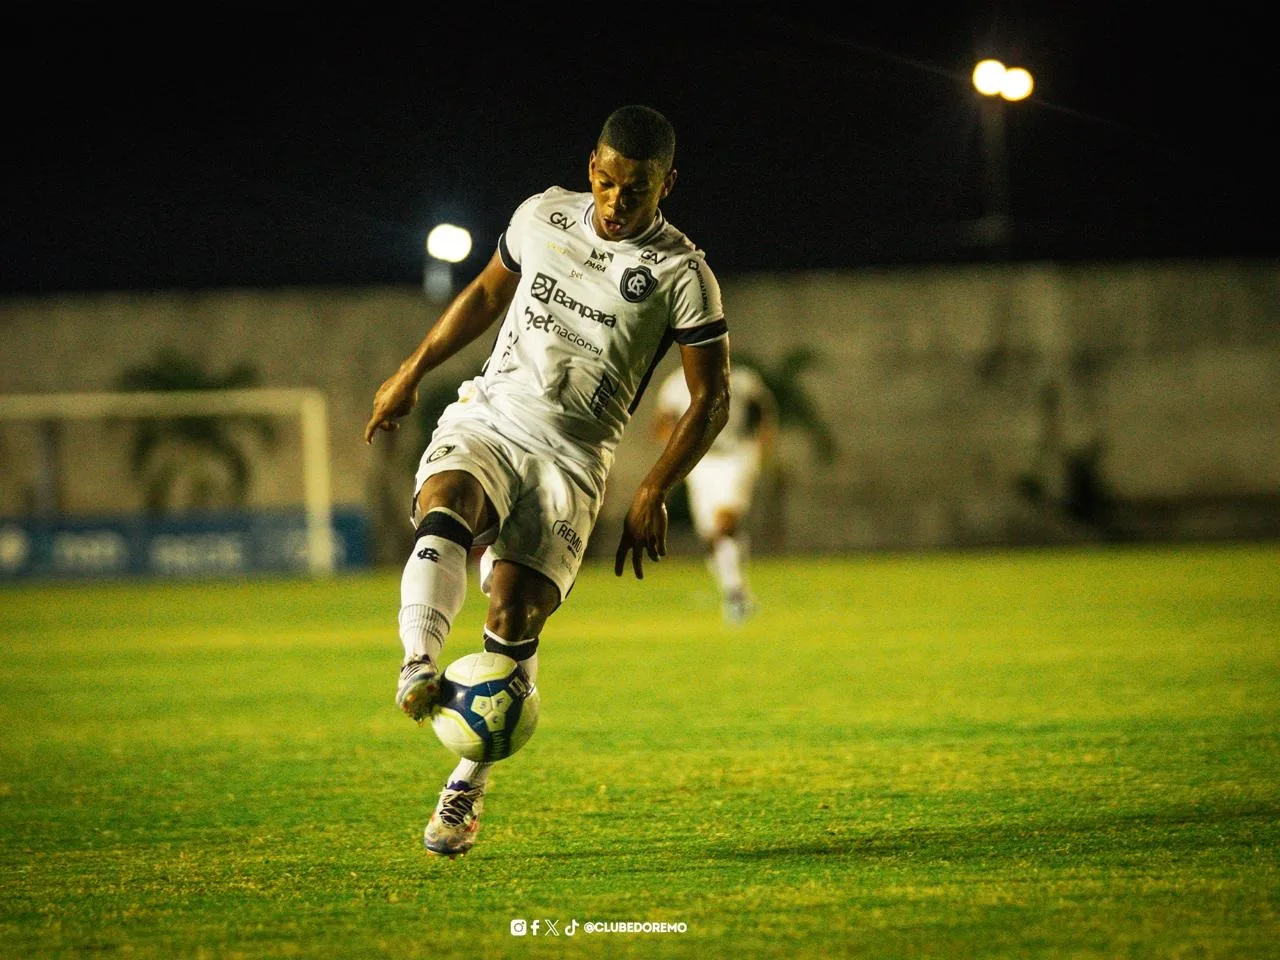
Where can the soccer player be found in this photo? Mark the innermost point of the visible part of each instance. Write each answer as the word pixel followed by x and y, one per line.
pixel 592 288
pixel 721 485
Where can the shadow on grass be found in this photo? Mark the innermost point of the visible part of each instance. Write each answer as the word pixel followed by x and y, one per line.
pixel 1116 839
pixel 1113 837
pixel 1187 830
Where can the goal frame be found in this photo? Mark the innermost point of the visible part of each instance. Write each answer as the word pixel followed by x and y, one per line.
pixel 305 403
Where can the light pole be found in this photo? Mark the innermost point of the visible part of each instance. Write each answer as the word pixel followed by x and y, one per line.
pixel 997 84
pixel 446 245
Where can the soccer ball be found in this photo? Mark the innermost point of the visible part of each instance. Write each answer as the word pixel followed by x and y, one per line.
pixel 488 707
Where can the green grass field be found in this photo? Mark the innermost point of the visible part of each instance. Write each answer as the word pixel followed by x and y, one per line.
pixel 1017 754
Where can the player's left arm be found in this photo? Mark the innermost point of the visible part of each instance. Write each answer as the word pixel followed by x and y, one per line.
pixel 706 371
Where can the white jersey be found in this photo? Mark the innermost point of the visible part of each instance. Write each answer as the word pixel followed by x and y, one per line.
pixel 747 391
pixel 589 322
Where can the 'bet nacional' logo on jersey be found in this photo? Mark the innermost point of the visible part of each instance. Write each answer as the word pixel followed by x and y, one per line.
pixel 637 283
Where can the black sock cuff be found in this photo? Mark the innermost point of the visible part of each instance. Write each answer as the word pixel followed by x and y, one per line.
pixel 522 650
pixel 438 523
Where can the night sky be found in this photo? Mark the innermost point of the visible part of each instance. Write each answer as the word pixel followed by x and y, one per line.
pixel 199 152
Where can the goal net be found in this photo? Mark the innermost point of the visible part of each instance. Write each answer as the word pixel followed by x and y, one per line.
pixel 54 413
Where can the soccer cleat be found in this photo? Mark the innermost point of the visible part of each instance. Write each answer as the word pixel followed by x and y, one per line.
pixel 456 821
pixel 419 688
pixel 738 607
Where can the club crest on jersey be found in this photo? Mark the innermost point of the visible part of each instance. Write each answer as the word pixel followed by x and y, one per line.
pixel 637 283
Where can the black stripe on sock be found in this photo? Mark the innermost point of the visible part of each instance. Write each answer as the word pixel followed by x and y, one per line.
pixel 437 523
pixel 516 651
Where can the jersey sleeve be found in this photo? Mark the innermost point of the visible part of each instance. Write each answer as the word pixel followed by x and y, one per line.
pixel 512 239
pixel 697 315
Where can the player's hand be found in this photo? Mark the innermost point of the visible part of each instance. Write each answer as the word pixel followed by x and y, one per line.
pixel 394 399
pixel 643 531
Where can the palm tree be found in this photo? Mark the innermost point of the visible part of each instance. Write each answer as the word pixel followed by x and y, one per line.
pixel 796 408
pixel 200 456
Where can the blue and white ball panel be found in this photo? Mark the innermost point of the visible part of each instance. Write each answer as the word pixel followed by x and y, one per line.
pixel 490 708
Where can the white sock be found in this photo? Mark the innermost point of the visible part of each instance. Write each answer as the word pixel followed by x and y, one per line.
pixel 530 665
pixel 434 584
pixel 470 772
pixel 727 558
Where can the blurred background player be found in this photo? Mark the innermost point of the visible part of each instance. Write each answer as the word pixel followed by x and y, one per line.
pixel 591 287
pixel 722 484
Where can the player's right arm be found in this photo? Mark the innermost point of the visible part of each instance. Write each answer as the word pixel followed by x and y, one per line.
pixel 468 315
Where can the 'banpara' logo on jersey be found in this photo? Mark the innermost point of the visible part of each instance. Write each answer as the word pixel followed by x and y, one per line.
pixel 542 288
pixel 637 283
pixel 439 452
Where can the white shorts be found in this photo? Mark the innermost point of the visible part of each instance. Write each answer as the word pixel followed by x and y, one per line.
pixel 546 504
pixel 721 482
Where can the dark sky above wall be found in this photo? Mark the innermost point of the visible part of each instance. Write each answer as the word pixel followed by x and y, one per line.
pixel 320 150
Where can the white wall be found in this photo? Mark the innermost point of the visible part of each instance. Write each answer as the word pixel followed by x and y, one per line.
pixel 934 379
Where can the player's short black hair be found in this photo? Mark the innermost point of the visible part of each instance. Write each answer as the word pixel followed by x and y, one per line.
pixel 640 133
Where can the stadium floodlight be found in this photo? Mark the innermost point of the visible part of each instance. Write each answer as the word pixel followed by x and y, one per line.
pixel 307 404
pixel 991 78
pixel 449 243
pixel 988 77
pixel 997 82
pixel 446 245
pixel 1018 84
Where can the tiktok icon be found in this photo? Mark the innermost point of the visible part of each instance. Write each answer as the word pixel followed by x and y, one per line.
pixel 571 928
